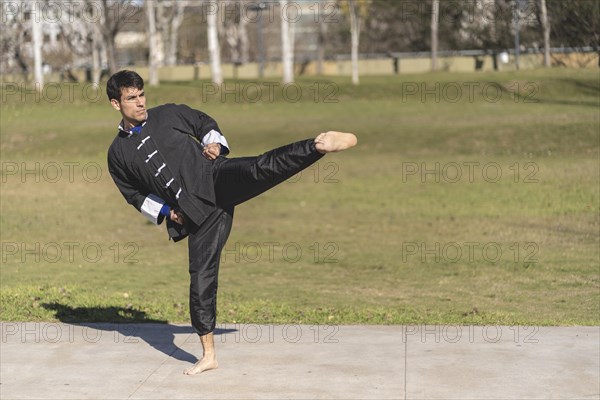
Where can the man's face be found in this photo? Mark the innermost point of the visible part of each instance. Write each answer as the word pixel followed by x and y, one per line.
pixel 132 105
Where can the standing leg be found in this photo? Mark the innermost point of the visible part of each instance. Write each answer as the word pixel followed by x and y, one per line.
pixel 205 244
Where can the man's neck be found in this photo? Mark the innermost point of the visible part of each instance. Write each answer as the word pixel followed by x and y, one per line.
pixel 128 125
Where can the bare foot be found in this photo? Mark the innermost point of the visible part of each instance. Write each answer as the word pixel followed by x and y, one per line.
pixel 333 141
pixel 205 364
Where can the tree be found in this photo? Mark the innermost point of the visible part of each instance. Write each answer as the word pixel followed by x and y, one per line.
pixel 322 35
pixel 392 26
pixel 169 17
pixel 435 22
pixel 36 33
pixel 82 38
pixel 164 20
pixel 546 29
pixel 575 23
pixel 213 44
pixel 358 11
pixel 236 33
pixel 287 52
pixel 114 14
pixel 12 40
pixel 153 43
pixel 355 37
pixel 97 50
pixel 178 9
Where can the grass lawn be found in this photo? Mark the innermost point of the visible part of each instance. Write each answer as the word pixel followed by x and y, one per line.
pixel 471 199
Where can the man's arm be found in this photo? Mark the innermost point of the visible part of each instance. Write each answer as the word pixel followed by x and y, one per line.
pixel 204 129
pixel 151 206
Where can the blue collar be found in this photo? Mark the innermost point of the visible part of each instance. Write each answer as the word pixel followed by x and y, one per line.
pixel 135 130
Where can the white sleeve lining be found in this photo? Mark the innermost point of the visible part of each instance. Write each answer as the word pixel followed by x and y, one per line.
pixel 151 208
pixel 215 137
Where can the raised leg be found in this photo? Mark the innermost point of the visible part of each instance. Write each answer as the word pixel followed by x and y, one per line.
pixel 240 179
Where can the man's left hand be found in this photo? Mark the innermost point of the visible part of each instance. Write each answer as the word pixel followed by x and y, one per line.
pixel 177 216
pixel 212 151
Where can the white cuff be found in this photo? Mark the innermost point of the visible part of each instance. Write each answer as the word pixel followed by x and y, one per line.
pixel 151 208
pixel 215 137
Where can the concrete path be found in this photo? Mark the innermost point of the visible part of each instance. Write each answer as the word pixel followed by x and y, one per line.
pixel 145 361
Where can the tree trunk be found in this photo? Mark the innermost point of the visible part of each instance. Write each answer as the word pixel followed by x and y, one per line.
pixel 108 35
pixel 213 45
pixel 292 32
pixel 435 22
pixel 96 67
pixel 355 35
pixel 161 25
pixel 243 33
pixel 37 39
pixel 176 21
pixel 517 24
pixel 109 27
pixel 546 28
pixel 493 21
pixel 321 45
pixel 111 57
pixel 152 43
pixel 232 36
pixel 287 54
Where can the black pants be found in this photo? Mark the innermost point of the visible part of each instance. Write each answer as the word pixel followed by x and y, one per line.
pixel 236 180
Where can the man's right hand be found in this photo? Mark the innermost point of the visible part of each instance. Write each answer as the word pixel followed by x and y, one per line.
pixel 211 151
pixel 177 216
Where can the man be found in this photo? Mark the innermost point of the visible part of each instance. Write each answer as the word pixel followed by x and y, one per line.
pixel 168 162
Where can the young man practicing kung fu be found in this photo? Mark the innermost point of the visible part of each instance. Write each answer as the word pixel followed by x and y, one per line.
pixel 168 162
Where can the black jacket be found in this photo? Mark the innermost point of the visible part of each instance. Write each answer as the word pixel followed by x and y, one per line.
pixel 164 164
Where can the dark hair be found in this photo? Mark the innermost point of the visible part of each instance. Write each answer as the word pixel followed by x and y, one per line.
pixel 122 80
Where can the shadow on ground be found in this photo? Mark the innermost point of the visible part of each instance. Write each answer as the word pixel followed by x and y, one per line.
pixel 129 323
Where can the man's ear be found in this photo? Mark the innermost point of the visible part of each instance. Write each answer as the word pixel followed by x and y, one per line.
pixel 116 105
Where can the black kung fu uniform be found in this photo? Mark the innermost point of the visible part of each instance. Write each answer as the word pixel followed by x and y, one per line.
pixel 163 164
